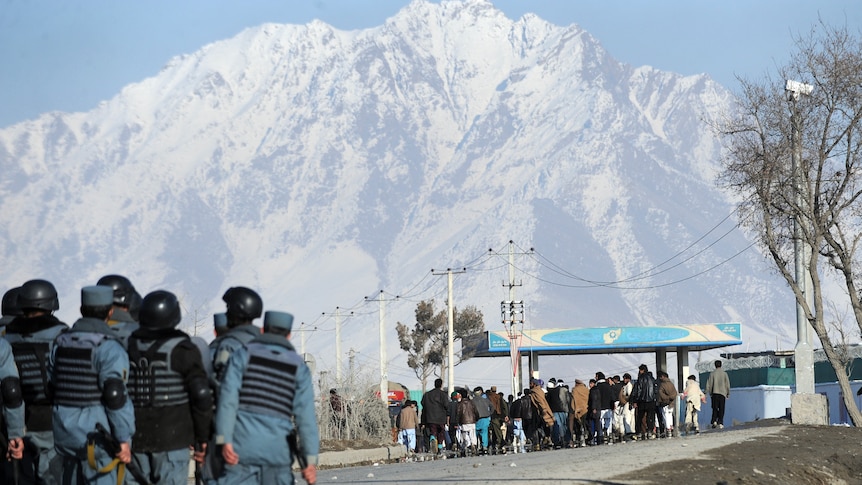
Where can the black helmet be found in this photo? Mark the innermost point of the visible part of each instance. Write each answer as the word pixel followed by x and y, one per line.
pixel 38 295
pixel 123 288
pixel 135 305
pixel 160 309
pixel 243 303
pixel 10 303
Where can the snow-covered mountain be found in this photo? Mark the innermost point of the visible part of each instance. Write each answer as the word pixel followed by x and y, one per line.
pixel 321 166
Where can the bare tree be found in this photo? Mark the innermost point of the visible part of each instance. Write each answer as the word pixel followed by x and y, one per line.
pixel 426 342
pixel 823 195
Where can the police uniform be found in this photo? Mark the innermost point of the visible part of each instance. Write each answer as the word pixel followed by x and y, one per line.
pixel 122 325
pixel 89 367
pixel 266 395
pixel 32 339
pixel 223 346
pixel 170 392
pixel 11 399
pixel 212 464
pixel 122 322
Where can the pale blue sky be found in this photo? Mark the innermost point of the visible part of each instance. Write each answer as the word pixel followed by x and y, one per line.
pixel 70 55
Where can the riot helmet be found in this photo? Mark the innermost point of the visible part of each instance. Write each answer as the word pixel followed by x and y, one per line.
pixel 38 295
pixel 123 288
pixel 135 306
pixel 243 303
pixel 160 310
pixel 10 303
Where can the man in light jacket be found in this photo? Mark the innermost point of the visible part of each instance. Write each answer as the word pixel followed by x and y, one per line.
pixel 718 388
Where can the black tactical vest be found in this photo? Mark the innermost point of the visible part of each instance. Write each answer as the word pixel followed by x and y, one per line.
pixel 76 379
pixel 269 382
pixel 152 381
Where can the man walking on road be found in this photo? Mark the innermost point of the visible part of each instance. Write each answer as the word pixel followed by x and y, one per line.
pixel 435 413
pixel 644 396
pixel 718 388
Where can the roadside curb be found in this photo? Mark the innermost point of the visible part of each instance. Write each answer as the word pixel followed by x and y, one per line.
pixel 335 459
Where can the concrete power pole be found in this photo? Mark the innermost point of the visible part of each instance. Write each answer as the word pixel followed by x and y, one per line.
pixel 302 339
pixel 450 344
pixel 807 407
pixel 384 376
pixel 512 316
pixel 803 354
pixel 339 362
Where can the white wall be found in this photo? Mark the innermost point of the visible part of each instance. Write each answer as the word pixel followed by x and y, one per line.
pixel 763 402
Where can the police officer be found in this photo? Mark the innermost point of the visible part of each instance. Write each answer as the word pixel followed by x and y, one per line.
pixel 13 407
pixel 89 367
pixel 255 417
pixel 31 336
pixel 122 322
pixel 170 392
pixel 244 305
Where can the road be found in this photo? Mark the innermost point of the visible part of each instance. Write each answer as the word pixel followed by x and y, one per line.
pixel 598 464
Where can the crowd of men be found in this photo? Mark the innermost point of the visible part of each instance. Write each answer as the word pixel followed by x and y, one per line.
pixel 123 396
pixel 553 415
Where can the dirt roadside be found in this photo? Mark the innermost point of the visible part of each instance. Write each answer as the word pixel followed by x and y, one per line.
pixel 796 455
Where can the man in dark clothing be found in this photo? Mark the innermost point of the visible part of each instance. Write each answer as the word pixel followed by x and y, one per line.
pixel 594 406
pixel 529 418
pixel 559 398
pixel 644 396
pixel 169 389
pixel 452 413
pixel 434 411
pixel 666 396
pixel 606 407
pixel 499 415
pixel 484 408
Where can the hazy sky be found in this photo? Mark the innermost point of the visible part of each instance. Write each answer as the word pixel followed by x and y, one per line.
pixel 70 55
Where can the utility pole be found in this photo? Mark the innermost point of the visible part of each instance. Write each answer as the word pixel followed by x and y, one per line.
pixel 450 343
pixel 338 353
pixel 806 406
pixel 384 376
pixel 302 338
pixel 512 316
pixel 803 353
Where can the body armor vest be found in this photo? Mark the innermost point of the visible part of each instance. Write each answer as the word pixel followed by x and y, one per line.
pixel 31 353
pixel 76 380
pixel 269 382
pixel 31 357
pixel 221 353
pixel 152 381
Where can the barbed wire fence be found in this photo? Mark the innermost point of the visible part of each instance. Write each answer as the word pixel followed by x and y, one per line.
pixel 850 352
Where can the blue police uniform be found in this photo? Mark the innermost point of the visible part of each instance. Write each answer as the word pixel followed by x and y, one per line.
pixel 88 369
pixel 31 339
pixel 13 412
pixel 122 325
pixel 225 345
pixel 266 395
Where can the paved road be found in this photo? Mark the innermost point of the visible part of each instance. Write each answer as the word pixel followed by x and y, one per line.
pixel 583 465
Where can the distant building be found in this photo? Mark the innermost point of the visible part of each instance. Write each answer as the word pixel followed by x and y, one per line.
pixel 762 382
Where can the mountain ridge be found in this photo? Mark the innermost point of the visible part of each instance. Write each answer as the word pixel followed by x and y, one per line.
pixel 320 166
